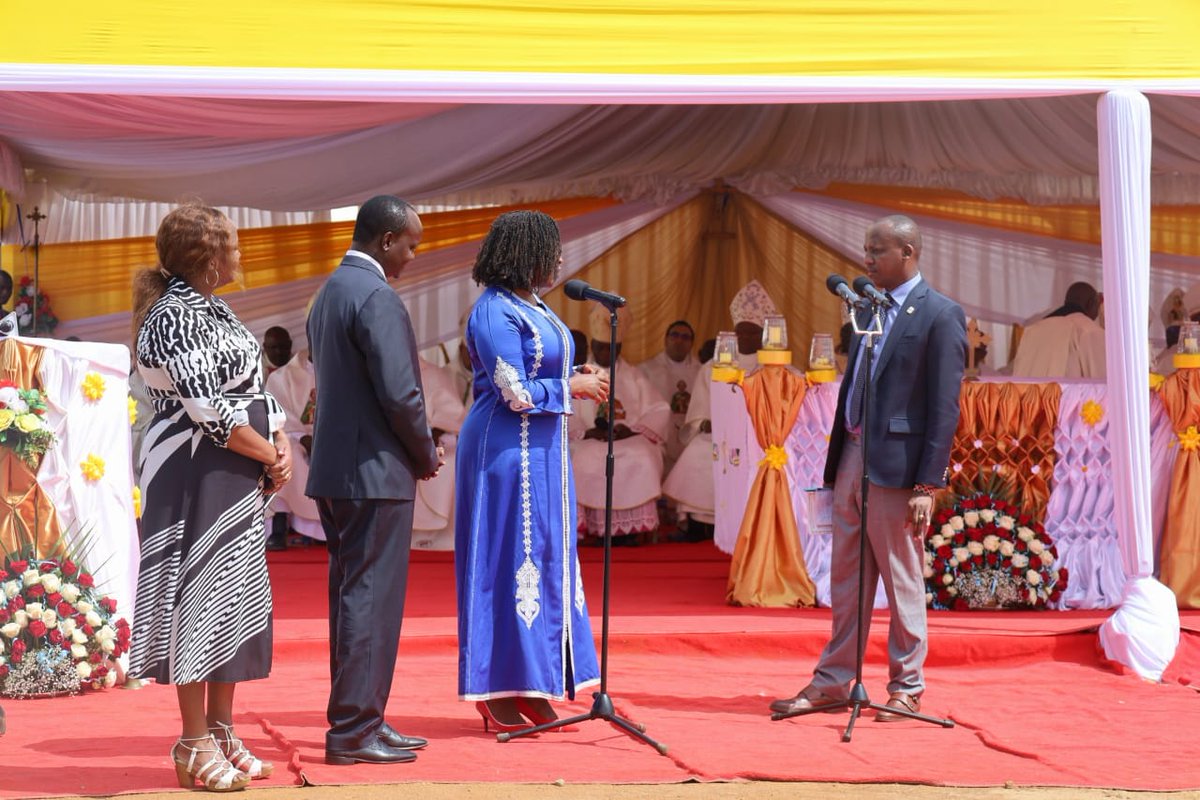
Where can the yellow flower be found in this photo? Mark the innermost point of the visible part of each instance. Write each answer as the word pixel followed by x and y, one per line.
pixel 1156 381
pixel 6 418
pixel 92 467
pixel 29 422
pixel 1189 439
pixel 93 386
pixel 137 502
pixel 132 405
pixel 1092 412
pixel 775 457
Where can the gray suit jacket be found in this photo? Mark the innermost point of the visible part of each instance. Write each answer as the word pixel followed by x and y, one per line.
pixel 914 394
pixel 370 438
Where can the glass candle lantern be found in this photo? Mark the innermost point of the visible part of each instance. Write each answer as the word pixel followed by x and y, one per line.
pixel 774 333
pixel 726 351
pixel 820 352
pixel 1189 338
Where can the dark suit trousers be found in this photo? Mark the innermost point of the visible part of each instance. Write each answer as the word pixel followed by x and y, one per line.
pixel 893 555
pixel 369 544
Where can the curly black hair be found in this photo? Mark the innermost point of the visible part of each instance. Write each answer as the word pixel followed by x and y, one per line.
pixel 521 251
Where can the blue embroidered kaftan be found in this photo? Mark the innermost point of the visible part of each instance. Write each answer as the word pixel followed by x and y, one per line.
pixel 523 627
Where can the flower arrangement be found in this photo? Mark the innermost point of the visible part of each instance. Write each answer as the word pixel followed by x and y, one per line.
pixel 984 553
pixel 23 304
pixel 23 427
pixel 58 634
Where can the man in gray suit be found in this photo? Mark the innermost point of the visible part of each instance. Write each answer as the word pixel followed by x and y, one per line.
pixel 914 387
pixel 371 442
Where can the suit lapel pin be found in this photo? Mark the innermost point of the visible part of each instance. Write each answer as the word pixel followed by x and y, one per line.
pixel 910 310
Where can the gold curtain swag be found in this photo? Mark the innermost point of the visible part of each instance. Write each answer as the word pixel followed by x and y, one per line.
pixel 1180 557
pixel 768 566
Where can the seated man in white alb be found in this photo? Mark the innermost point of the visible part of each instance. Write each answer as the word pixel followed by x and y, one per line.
pixel 433 511
pixel 641 417
pixel 1067 342
pixel 294 386
pixel 672 373
pixel 690 483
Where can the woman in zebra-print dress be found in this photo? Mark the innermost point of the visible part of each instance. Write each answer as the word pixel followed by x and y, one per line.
pixel 202 618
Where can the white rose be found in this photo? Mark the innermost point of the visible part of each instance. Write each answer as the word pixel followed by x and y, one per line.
pixel 1024 534
pixel 110 678
pixel 11 630
pixel 21 618
pixel 10 589
pixel 78 637
pixel 35 610
pixel 1 650
pixel 108 645
pixel 1036 547
pixel 105 633
pixel 953 590
pixel 51 582
pixel 1047 559
pixel 83 606
pixel 1020 560
pixel 93 619
pixel 956 523
pixel 947 579
pixel 1032 596
pixel 975 548
pixel 962 554
pixel 928 598
pixel 68 626
pixel 1032 577
pixel 953 562
pixel 971 518
pixel 83 670
pixel 937 540
pixel 1007 522
pixel 1006 548
pixel 947 530
pixel 50 618
pixel 988 515
pixel 928 572
pixel 70 592
pixel 30 577
pixel 78 651
pixel 991 543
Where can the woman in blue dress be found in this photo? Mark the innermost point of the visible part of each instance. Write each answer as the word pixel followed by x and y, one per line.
pixel 523 632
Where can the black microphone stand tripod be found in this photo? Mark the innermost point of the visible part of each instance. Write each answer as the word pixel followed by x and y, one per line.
pixel 602 704
pixel 858 698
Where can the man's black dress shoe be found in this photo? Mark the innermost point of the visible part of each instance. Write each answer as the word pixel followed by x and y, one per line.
pixel 388 735
pixel 375 752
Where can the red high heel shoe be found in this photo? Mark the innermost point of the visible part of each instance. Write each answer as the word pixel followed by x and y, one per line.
pixel 501 727
pixel 527 709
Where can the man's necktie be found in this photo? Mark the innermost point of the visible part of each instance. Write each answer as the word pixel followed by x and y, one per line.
pixel 861 380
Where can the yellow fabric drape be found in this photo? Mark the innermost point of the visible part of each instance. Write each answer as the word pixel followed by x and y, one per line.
pixel 1180 557
pixel 1013 425
pixel 689 263
pixel 87 279
pixel 768 567
pixel 1174 229
pixel 1020 39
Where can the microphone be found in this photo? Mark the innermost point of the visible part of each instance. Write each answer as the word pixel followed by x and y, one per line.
pixel 863 285
pixel 581 290
pixel 836 284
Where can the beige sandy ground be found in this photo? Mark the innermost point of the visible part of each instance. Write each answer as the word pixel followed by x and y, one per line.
pixel 680 791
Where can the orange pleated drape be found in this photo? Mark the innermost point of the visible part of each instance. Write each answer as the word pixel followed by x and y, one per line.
pixel 768 566
pixel 1180 559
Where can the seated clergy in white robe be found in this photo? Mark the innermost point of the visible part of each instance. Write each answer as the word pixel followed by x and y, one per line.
pixel 672 372
pixel 433 511
pixel 1067 343
pixel 641 418
pixel 690 483
pixel 294 386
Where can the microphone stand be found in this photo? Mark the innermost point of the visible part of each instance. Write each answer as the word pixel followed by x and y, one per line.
pixel 602 704
pixel 858 698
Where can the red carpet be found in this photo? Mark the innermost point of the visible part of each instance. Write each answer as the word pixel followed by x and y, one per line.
pixel 1032 701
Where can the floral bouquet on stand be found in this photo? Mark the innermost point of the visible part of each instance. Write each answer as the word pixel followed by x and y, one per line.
pixel 23 427
pixel 23 305
pixel 983 553
pixel 58 634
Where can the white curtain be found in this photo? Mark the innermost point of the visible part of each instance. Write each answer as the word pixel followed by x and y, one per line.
pixel 1125 147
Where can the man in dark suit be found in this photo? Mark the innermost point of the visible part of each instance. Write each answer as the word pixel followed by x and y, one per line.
pixel 371 442
pixel 914 387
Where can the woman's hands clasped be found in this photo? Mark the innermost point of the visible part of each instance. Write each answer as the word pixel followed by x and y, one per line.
pixel 279 473
pixel 590 382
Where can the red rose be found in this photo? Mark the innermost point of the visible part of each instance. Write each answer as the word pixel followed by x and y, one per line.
pixel 37 590
pixel 117 651
pixel 944 552
pixel 15 568
pixel 99 672
pixel 96 657
pixel 69 568
pixel 993 559
pixel 938 567
pixel 66 644
pixel 108 604
pixel 86 580
pixel 1055 595
pixel 961 605
pixel 3 670
pixel 3 615
pixel 48 566
pixel 88 630
pixel 53 599
pixel 960 539
pixel 1062 575
pixel 977 560
pixel 17 603
pixel 17 648
pixel 1017 572
pixel 64 609
pixel 974 534
pixel 80 620
pixel 943 597
pixel 37 629
pixel 56 636
pixel 123 625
